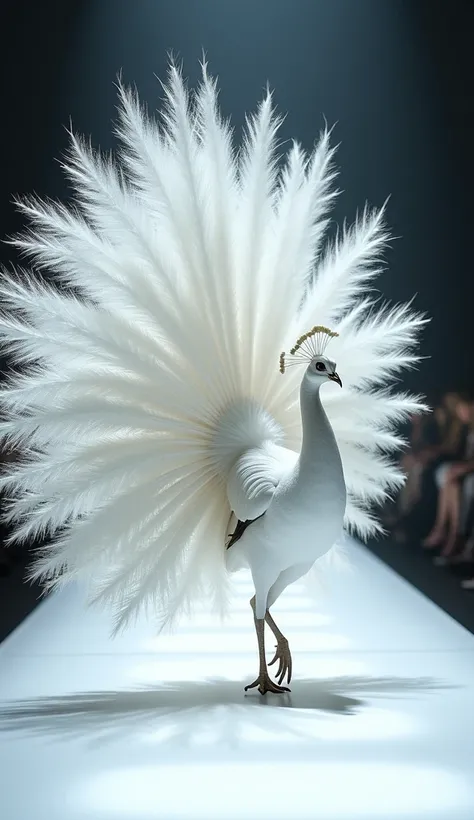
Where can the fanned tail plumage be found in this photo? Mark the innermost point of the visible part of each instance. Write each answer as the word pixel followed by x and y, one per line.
pixel 183 272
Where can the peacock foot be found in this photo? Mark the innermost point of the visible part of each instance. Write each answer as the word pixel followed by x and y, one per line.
pixel 285 663
pixel 265 684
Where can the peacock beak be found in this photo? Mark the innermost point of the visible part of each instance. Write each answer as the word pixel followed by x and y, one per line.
pixel 335 378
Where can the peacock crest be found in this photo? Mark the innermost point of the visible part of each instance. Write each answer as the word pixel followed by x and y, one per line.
pixel 311 344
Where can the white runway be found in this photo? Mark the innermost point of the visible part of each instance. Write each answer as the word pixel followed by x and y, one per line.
pixel 380 722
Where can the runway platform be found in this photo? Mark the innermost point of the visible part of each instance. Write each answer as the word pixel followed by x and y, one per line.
pixel 379 724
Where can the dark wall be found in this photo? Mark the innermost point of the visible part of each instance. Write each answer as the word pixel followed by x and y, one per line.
pixel 394 75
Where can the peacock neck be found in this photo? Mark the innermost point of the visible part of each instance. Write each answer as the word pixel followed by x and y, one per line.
pixel 319 444
pixel 317 481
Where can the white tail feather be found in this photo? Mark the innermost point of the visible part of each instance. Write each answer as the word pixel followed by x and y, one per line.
pixel 195 267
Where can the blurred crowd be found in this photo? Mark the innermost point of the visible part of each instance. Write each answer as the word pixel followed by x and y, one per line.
pixel 435 508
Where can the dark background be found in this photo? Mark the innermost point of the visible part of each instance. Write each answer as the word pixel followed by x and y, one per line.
pixel 395 75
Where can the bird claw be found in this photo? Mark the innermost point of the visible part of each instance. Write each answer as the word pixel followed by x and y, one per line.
pixel 283 655
pixel 265 684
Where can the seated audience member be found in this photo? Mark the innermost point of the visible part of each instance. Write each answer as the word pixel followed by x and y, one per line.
pixel 435 438
pixel 454 487
pixel 463 551
pixel 425 439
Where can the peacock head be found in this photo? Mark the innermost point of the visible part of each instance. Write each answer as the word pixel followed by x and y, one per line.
pixel 320 369
pixel 310 348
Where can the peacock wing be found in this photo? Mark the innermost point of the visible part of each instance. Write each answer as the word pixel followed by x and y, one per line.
pixel 254 478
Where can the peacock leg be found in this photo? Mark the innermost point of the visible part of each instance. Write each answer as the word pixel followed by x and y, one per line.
pixel 282 654
pixel 264 682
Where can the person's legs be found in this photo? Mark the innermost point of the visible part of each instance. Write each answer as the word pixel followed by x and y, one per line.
pixel 458 547
pixel 436 536
pixel 453 499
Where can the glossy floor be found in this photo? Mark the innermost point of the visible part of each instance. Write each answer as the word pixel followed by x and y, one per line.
pixel 379 724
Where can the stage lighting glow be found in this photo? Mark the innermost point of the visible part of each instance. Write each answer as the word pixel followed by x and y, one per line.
pixel 276 791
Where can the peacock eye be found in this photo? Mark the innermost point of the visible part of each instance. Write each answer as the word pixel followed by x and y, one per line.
pixel 320 366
